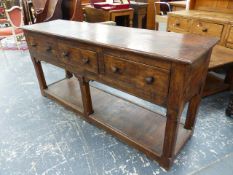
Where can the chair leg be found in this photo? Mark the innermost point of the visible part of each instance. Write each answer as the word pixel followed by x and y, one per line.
pixel 16 42
pixel 15 38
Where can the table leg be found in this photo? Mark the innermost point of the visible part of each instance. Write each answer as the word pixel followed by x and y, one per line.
pixel 171 131
pixel 175 106
pixel 112 17
pixel 192 112
pixel 86 96
pixel 140 17
pixel 131 20
pixel 40 75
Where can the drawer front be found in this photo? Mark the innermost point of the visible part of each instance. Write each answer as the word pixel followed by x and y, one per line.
pixel 230 36
pixel 147 81
pixel 41 47
pixel 77 57
pixel 177 24
pixel 208 29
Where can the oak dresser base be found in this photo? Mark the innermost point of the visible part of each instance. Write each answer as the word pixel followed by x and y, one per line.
pixel 170 78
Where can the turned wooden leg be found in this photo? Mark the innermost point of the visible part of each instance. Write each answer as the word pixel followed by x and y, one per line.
pixel 86 96
pixel 68 74
pixel 192 112
pixel 40 75
pixel 171 131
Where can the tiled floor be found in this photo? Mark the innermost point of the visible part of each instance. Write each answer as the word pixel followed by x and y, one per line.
pixel 38 136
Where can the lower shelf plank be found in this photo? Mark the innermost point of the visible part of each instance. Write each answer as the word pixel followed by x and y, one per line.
pixel 67 93
pixel 131 123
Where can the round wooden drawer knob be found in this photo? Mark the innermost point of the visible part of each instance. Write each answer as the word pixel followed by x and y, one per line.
pixel 33 44
pixel 149 80
pixel 65 54
pixel 177 24
pixel 85 60
pixel 115 69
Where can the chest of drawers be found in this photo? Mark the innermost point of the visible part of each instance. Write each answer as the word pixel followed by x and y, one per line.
pixel 202 23
pixel 166 77
pixel 211 19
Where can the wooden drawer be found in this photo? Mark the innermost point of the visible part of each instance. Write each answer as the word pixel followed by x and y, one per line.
pixel 137 76
pixel 230 36
pixel 178 24
pixel 42 47
pixel 208 29
pixel 77 57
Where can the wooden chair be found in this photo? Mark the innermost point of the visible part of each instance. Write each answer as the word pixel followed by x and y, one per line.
pixel 160 15
pixel 77 14
pixel 27 12
pixel 15 18
pixel 156 13
pixel 48 10
pixel 52 10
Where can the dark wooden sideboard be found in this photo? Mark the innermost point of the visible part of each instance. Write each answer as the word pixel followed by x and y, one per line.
pixel 167 69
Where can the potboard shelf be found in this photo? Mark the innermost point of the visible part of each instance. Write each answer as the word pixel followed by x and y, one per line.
pixel 140 127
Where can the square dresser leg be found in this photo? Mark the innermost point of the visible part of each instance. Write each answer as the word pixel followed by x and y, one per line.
pixel 40 75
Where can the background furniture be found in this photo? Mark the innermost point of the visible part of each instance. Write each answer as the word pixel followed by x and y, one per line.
pixel 46 10
pixel 15 18
pixel 52 10
pixel 10 3
pixel 154 9
pixel 99 15
pixel 140 10
pixel 28 13
pixel 177 5
pixel 161 16
pixel 114 56
pixel 210 18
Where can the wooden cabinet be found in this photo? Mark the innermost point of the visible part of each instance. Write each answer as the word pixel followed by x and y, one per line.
pixel 201 23
pixel 210 18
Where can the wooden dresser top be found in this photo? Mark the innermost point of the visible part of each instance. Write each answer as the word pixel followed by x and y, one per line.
pixel 212 16
pixel 183 48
